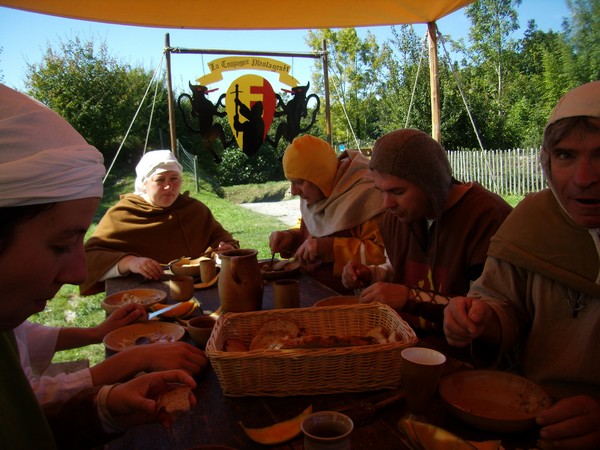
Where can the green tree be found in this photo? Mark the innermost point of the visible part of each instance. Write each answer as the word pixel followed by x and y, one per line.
pixel 404 91
pixel 99 96
pixel 583 34
pixel 354 65
pixel 493 54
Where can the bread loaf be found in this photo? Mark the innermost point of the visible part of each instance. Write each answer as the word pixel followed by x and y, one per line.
pixel 314 341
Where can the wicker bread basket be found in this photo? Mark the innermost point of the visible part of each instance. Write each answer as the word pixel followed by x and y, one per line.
pixel 310 371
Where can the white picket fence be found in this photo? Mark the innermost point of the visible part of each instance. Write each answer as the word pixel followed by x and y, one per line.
pixel 505 172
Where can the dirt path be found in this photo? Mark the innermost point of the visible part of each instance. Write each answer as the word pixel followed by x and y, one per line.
pixel 288 211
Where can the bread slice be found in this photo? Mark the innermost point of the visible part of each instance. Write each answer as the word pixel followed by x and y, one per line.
pixel 175 399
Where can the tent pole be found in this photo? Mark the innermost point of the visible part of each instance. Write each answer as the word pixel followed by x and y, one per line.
pixel 327 105
pixel 170 100
pixel 434 82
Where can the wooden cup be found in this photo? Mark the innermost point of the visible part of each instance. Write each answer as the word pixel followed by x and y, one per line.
pixel 421 371
pixel 208 269
pixel 181 288
pixel 286 294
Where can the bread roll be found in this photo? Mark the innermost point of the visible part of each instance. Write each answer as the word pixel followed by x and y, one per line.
pixel 284 326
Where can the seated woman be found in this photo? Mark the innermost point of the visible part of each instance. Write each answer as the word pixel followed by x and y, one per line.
pixel 51 187
pixel 340 209
pixel 156 224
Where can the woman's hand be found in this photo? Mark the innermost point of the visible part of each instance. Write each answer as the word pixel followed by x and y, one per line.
pixel 135 402
pixel 167 356
pixel 573 423
pixel 224 246
pixel 146 267
pixel 125 315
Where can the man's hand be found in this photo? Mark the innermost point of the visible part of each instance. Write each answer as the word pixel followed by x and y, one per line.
pixel 355 275
pixel 392 294
pixel 467 318
pixel 573 423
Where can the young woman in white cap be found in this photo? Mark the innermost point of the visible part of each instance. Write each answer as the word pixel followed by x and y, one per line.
pixel 436 230
pixel 156 224
pixel 50 187
pixel 340 209
pixel 537 304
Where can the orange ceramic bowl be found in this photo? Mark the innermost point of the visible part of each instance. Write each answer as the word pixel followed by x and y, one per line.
pixel 144 297
pixel 492 400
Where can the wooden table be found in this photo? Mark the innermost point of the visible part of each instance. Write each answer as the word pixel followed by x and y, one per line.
pixel 215 419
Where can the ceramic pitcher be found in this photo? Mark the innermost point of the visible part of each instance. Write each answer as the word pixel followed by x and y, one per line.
pixel 240 281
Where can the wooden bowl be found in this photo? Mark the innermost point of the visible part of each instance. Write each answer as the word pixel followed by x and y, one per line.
pixel 142 333
pixel 493 400
pixel 186 266
pixel 145 297
pixel 200 328
pixel 338 300
pixel 287 269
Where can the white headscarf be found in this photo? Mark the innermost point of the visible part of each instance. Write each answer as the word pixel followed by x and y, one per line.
pixel 152 163
pixel 42 158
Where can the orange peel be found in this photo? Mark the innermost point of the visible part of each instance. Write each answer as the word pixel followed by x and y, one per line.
pixel 278 433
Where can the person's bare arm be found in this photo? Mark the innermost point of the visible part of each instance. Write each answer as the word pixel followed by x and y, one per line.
pixel 74 337
pixel 148 358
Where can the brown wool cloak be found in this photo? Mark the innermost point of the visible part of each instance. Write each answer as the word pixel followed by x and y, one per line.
pixel 135 227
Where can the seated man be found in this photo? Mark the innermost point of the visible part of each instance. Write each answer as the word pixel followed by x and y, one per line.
pixel 436 229
pixel 537 303
pixel 156 224
pixel 339 209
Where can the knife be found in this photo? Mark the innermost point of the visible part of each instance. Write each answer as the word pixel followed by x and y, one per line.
pixel 160 311
pixel 364 412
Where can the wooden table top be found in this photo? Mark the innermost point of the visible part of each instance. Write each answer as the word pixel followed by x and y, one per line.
pixel 215 419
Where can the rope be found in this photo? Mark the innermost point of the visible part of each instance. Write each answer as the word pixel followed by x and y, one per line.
pixel 464 99
pixel 151 116
pixel 462 94
pixel 133 120
pixel 341 100
pixel 412 97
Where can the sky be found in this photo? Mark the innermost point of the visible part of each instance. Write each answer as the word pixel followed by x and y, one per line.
pixel 25 36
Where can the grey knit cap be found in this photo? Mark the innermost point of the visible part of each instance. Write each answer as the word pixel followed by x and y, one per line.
pixel 416 157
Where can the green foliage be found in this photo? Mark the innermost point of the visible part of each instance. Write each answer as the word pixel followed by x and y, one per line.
pixel 583 32
pixel 497 89
pixel 99 96
pixel 353 75
pixel 237 168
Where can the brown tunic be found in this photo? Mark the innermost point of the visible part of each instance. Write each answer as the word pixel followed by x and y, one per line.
pixel 135 227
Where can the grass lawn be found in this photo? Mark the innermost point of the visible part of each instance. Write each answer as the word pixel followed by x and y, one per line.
pixel 68 308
